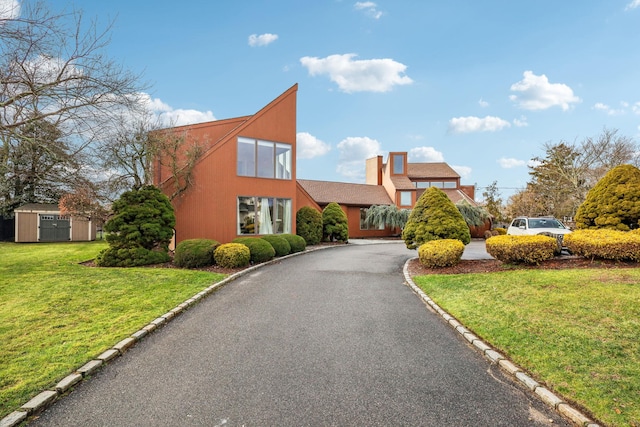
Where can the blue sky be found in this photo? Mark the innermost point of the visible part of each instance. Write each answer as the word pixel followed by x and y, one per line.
pixel 481 85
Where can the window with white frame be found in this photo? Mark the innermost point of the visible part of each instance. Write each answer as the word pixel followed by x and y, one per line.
pixel 263 159
pixel 264 215
pixel 405 198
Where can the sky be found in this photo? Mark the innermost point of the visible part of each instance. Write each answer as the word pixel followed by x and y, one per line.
pixel 481 85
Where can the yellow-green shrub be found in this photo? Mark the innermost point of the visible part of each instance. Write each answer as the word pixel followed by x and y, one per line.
pixel 232 255
pixel 440 253
pixel 501 231
pixel 521 249
pixel 605 244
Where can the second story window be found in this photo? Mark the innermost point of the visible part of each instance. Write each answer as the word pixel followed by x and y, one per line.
pixel 263 159
pixel 397 164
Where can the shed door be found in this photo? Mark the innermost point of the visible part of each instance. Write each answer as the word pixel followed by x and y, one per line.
pixel 54 228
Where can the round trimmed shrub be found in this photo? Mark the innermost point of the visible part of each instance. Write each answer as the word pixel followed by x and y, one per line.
pixel 604 244
pixel 434 217
pixel 309 225
pixel 195 253
pixel 521 249
pixel 232 255
pixel 335 225
pixel 440 253
pixel 500 231
pixel 279 243
pixel 261 250
pixel 297 243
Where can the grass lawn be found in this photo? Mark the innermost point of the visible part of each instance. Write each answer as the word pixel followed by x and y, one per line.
pixel 55 314
pixel 577 331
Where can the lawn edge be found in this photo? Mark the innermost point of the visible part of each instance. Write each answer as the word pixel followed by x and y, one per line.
pixel 519 375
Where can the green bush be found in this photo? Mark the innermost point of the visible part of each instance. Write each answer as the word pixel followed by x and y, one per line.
pixel 440 253
pixel 279 243
pixel 298 244
pixel 232 255
pixel 261 250
pixel 614 202
pixel 500 231
pixel 130 257
pixel 434 217
pixel 521 249
pixel 141 226
pixel 309 225
pixel 604 244
pixel 195 253
pixel 335 224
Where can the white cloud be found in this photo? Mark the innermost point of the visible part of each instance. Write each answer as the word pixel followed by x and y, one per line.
pixel 425 154
pixel 510 163
pixel 169 116
pixel 308 146
pixel 521 122
pixel 477 124
pixel 536 93
pixel 262 39
pixel 609 110
pixel 353 153
pixel 9 9
pixel 636 108
pixel 369 8
pixel 483 103
pixel 633 5
pixel 370 75
pixel 463 171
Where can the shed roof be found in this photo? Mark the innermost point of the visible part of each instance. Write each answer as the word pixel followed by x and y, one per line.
pixel 38 207
pixel 325 192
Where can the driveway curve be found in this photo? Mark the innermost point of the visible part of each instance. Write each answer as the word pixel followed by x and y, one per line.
pixel 329 338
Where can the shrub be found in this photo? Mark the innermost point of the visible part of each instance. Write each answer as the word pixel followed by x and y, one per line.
pixel 232 255
pixel 280 244
pixel 141 226
pixel 521 249
pixel 434 217
pixel 605 244
pixel 298 244
pixel 440 253
pixel 309 225
pixel 261 250
pixel 614 202
pixel 195 253
pixel 335 226
pixel 488 234
pixel 500 231
pixel 130 257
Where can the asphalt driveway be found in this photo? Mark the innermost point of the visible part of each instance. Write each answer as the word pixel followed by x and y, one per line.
pixel 329 338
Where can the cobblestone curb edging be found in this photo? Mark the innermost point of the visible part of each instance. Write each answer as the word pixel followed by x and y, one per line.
pixel 47 397
pixel 547 396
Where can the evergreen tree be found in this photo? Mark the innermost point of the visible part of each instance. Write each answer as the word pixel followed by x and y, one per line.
pixel 335 223
pixel 309 225
pixel 434 217
pixel 614 202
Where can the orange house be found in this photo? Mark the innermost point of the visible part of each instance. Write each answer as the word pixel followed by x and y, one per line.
pixel 245 182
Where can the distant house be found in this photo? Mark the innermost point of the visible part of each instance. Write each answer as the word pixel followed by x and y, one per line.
pixel 35 222
pixel 245 183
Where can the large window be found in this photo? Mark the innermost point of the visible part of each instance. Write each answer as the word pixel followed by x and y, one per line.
pixel 264 159
pixel 397 164
pixel 405 198
pixel 439 184
pixel 363 223
pixel 264 215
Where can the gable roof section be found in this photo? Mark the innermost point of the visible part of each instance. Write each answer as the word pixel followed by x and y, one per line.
pixel 458 195
pixel 431 170
pixel 325 192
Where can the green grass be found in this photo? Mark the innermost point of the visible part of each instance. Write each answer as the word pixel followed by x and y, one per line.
pixel 56 314
pixel 577 331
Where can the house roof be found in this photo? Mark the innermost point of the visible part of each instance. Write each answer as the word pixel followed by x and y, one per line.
pixel 430 170
pixel 325 192
pixel 39 207
pixel 401 182
pixel 456 196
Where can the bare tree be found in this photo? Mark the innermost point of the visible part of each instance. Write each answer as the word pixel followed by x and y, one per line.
pixel 53 72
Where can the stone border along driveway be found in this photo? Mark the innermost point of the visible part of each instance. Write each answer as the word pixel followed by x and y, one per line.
pixel 517 373
pixel 46 398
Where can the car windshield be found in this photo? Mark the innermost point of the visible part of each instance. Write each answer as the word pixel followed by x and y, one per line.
pixel 545 223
